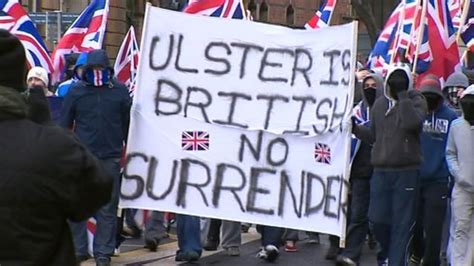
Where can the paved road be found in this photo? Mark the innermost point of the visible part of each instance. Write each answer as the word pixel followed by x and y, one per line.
pixel 133 254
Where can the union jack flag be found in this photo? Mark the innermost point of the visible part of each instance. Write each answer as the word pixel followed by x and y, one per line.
pixel 14 19
pixel 455 10
pixel 442 40
pixel 85 34
pixel 379 58
pixel 322 18
pixel 126 64
pixel 217 8
pixel 322 153
pixel 467 31
pixel 195 141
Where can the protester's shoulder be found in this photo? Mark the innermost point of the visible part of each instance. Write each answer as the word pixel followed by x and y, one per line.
pixel 415 94
pixel 449 113
pixel 458 122
pixel 54 138
pixel 77 88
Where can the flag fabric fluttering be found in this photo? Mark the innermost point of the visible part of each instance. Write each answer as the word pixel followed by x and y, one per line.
pixel 85 34
pixel 442 40
pixel 455 11
pixel 217 8
pixel 126 63
pixel 15 19
pixel 467 31
pixel 322 18
pixel 379 58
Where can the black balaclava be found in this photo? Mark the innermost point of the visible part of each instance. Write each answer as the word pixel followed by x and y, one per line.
pixel 370 93
pixel 397 82
pixel 467 105
pixel 433 101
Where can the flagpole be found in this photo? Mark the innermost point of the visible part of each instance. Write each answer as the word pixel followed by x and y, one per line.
pixel 420 34
pixel 465 11
pixel 418 2
pixel 401 18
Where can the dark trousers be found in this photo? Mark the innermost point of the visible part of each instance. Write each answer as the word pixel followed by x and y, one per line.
pixel 429 223
pixel 392 208
pixel 358 225
pixel 214 230
pixel 272 235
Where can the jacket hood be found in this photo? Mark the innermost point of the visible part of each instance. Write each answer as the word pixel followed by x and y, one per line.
pixel 457 79
pixel 379 89
pixel 12 104
pixel 81 60
pixel 98 58
pixel 398 67
pixel 469 91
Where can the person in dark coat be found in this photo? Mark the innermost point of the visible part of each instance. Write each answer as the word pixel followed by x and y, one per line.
pixel 395 127
pixel 47 176
pixel 99 108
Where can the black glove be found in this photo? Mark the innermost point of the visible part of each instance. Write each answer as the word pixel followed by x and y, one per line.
pixel 38 107
pixel 398 82
pixel 354 123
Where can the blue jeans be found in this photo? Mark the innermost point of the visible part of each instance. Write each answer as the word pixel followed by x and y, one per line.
pixel 106 217
pixel 358 225
pixel 393 196
pixel 189 233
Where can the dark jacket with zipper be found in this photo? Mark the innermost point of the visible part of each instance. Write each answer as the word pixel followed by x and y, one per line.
pixel 100 116
pixel 47 178
pixel 395 129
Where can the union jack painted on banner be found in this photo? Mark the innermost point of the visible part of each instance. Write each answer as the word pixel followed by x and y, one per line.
pixel 322 153
pixel 14 19
pixel 85 34
pixel 217 8
pixel 195 141
pixel 126 64
pixel 467 31
pixel 322 18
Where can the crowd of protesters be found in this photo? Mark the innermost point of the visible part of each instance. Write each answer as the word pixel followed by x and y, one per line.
pixel 411 179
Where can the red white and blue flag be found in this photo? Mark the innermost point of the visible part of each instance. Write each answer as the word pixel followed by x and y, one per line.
pixel 15 19
pixel 322 18
pixel 195 141
pixel 379 58
pixel 126 63
pixel 322 153
pixel 467 31
pixel 217 8
pixel 85 34
pixel 455 10
pixel 442 40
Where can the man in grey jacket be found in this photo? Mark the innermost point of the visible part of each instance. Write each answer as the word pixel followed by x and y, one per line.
pixel 459 152
pixel 396 123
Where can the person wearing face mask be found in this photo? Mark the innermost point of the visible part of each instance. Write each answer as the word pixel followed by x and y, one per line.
pixel 99 109
pixel 395 126
pixel 361 171
pixel 434 175
pixel 460 159
pixel 453 88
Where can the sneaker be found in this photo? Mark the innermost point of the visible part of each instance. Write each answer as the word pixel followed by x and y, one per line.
pixel 269 253
pixel 187 256
pixel 371 242
pixel 102 261
pixel 132 231
pixel 290 246
pixel 152 244
pixel 332 253
pixel 383 263
pixel 345 261
pixel 244 228
pixel 233 251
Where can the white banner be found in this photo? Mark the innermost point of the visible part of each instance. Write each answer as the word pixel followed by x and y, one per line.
pixel 242 121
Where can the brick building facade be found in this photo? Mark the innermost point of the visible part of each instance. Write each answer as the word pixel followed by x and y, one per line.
pixel 123 13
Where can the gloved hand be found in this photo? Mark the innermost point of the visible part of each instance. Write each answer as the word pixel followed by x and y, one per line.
pixel 398 82
pixel 354 123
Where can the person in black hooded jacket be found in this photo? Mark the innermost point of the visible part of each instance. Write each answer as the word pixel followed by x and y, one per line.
pixel 99 108
pixel 395 127
pixel 47 176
